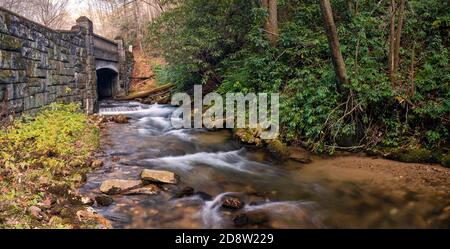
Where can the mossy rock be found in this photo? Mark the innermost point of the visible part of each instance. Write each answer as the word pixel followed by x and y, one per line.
pixel 445 161
pixel 249 136
pixel 278 149
pixel 412 156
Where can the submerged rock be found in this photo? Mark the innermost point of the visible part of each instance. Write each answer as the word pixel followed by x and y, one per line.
pixel 115 186
pixel 159 176
pixel 232 203
pixel 147 190
pixel 204 196
pixel 185 192
pixel 104 200
pixel 251 218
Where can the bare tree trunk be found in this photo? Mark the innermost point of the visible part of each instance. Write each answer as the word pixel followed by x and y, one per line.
pixel 398 36
pixel 273 20
pixel 391 53
pixel 137 21
pixel 350 7
pixel 271 25
pixel 412 70
pixel 333 39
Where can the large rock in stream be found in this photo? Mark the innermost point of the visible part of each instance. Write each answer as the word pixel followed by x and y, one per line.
pixel 159 176
pixel 115 186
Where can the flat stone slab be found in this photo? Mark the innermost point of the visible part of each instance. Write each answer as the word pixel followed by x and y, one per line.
pixel 116 186
pixel 159 176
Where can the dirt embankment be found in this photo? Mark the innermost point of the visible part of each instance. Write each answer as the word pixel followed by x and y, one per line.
pixel 143 76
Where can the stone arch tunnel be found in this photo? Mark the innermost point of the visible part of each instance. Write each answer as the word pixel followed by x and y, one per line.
pixel 111 67
pixel 107 80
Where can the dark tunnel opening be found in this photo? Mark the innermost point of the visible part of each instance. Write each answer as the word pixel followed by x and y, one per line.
pixel 106 79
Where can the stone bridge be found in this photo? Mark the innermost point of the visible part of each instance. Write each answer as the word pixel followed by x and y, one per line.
pixel 39 65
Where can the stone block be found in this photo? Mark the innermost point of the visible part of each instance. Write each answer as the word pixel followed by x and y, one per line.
pixel 6 91
pixel 33 70
pixel 8 76
pixel 16 106
pixel 20 90
pixel 10 43
pixel 31 53
pixel 3 22
pixel 11 60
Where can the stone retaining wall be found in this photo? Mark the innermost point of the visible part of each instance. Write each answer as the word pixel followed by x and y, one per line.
pixel 39 65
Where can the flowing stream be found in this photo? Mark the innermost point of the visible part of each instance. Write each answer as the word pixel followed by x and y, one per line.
pixel 276 195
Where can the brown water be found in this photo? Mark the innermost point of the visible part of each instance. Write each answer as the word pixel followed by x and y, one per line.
pixel 289 194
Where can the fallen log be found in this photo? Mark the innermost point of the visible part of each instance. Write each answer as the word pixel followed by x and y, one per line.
pixel 144 94
pixel 143 78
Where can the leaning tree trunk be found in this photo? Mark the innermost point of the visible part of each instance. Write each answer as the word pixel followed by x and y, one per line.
pixel 333 39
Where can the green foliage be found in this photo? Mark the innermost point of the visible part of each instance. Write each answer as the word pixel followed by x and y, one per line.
pixel 57 133
pixel 223 42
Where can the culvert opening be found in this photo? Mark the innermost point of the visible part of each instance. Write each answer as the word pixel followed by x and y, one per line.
pixel 106 79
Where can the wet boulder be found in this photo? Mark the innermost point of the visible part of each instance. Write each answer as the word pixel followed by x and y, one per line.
pixel 159 176
pixel 120 119
pixel 115 186
pixel 104 200
pixel 232 202
pixel 87 201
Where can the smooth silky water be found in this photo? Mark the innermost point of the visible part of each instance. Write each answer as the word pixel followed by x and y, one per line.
pixel 214 164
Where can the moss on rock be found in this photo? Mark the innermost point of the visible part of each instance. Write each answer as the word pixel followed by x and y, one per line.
pixel 445 161
pixel 249 136
pixel 278 149
pixel 412 156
